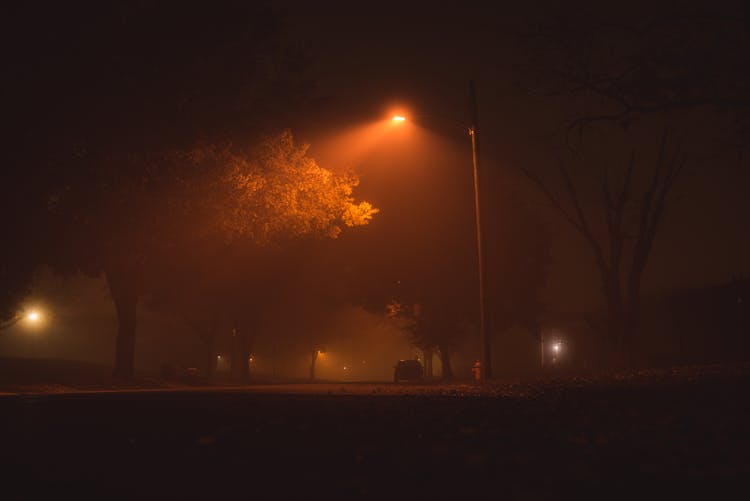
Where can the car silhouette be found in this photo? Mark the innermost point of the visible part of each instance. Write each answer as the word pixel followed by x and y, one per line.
pixel 408 370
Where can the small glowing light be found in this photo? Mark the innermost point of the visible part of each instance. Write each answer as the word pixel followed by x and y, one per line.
pixel 556 347
pixel 218 357
pixel 252 359
pixel 33 316
pixel 398 118
pixel 346 368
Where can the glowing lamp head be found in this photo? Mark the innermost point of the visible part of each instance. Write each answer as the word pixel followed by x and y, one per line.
pixel 33 316
pixel 398 119
pixel 556 347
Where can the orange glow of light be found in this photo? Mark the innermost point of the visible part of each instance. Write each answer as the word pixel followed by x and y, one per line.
pixel 33 316
pixel 352 145
pixel 398 118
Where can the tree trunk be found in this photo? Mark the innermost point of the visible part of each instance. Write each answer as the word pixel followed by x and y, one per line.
pixel 540 336
pixel 445 360
pixel 234 365
pixel 244 348
pixel 629 326
pixel 313 359
pixel 633 306
pixel 615 320
pixel 123 289
pixel 427 353
pixel 243 336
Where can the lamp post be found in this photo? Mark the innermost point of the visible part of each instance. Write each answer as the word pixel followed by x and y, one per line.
pixel 486 352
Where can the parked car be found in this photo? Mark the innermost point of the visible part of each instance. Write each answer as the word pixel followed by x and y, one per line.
pixel 408 370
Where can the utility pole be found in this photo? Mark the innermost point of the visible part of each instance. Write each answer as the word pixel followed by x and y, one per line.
pixel 486 345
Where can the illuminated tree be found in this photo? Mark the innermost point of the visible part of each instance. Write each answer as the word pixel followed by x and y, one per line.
pixel 112 106
pixel 214 200
pixel 251 207
pixel 271 193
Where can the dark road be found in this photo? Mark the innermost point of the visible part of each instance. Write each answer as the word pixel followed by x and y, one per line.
pixel 688 438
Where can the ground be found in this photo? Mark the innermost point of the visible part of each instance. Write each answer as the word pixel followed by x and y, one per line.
pixel 672 433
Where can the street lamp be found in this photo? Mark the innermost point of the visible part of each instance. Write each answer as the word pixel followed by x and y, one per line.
pixel 486 352
pixel 556 348
pixel 30 318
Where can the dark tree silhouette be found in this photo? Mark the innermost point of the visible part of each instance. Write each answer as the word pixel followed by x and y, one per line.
pixel 630 235
pixel 619 64
pixel 432 326
pixel 617 75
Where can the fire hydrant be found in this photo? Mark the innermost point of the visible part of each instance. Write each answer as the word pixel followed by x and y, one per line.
pixel 476 369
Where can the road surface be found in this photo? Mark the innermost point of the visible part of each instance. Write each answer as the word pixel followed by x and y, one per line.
pixel 648 438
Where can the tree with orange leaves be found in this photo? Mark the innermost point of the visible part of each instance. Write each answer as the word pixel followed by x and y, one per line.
pixel 189 209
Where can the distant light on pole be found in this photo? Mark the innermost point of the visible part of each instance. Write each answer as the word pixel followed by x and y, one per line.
pixel 557 348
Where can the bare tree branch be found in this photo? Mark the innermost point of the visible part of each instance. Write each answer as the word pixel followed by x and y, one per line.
pixel 551 198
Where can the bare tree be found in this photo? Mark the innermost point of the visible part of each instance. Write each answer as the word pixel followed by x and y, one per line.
pixel 618 69
pixel 629 235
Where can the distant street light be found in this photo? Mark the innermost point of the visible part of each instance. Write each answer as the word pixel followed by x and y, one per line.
pixel 316 352
pixel 486 352
pixel 557 347
pixel 31 318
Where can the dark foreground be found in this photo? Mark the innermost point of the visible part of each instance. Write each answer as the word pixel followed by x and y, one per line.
pixel 655 438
